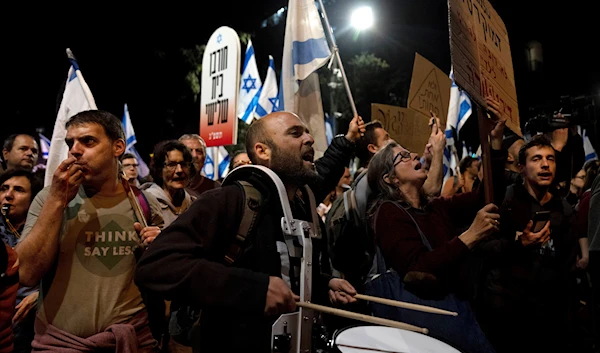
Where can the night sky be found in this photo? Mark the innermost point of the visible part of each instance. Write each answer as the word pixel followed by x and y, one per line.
pixel 131 55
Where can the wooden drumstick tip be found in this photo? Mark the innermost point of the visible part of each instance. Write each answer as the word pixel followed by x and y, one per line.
pixel 425 331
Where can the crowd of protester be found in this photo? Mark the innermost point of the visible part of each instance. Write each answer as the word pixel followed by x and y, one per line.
pixel 104 260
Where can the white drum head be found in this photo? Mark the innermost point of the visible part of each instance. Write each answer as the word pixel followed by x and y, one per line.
pixel 365 339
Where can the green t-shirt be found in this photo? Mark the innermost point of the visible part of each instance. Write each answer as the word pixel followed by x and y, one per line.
pixel 91 286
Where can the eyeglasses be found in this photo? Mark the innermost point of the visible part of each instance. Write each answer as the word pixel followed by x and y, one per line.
pixel 403 155
pixel 173 165
pixel 130 166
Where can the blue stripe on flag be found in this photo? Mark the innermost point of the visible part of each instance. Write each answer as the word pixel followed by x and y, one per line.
pixel 309 50
pixel 465 106
pixel 590 156
pixel 73 74
pixel 261 111
pixel 74 64
pixel 131 139
pixel 223 165
pixel 249 54
pixel 251 107
pixel 464 111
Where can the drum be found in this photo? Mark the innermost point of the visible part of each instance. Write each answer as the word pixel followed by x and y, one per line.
pixel 362 339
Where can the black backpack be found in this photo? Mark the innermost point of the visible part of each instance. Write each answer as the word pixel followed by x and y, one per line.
pixel 184 323
pixel 350 238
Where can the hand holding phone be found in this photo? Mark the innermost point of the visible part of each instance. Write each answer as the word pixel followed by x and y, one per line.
pixel 539 220
pixel 537 230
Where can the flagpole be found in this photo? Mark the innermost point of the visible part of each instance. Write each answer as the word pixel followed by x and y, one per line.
pixel 336 53
pixel 84 86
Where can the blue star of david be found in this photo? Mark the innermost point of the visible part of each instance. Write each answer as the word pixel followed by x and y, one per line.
pixel 275 102
pixel 219 38
pixel 249 84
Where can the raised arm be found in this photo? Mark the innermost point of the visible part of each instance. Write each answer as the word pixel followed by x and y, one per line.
pixel 39 245
pixel 337 157
pixel 435 146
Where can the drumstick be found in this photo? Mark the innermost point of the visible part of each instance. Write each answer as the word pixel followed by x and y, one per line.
pixel 399 304
pixel 367 348
pixel 362 317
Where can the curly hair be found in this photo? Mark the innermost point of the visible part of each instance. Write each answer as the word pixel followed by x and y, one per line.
pixel 160 156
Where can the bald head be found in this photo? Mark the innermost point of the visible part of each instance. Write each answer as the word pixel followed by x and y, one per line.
pixel 263 130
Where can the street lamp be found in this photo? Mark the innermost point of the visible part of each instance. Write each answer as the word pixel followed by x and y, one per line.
pixel 362 18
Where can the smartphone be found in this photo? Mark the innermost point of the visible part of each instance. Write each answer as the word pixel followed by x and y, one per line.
pixel 539 220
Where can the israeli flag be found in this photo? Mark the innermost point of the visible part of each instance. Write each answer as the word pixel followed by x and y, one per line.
pixel 588 148
pixel 305 49
pixel 131 140
pixel 44 146
pixel 465 109
pixel 223 162
pixel 268 101
pixel 209 166
pixel 250 87
pixel 216 165
pixel 76 98
pixel 451 125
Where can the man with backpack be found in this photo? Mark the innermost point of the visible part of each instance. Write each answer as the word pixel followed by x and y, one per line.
pixel 241 297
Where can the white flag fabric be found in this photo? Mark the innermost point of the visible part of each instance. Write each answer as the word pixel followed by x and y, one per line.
pixel 131 140
pixel 218 156
pixel 588 148
pixel 267 103
pixel 209 165
pixel 451 123
pixel 328 128
pixel 76 98
pixel 305 50
pixel 223 162
pixel 250 86
pixel 44 146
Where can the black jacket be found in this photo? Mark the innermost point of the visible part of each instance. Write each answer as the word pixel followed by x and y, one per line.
pixel 185 263
pixel 534 278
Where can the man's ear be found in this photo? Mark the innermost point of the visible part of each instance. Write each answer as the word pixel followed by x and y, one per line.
pixel 4 154
pixel 510 159
pixel 118 147
pixel 263 153
pixel 372 148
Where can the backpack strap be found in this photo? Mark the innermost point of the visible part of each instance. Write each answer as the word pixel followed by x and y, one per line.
pixel 252 205
pixel 380 261
pixel 423 237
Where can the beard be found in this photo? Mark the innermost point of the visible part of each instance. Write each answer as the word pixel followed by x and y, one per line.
pixel 291 169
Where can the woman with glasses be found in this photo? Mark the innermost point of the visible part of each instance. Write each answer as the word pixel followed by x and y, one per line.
pixel 171 168
pixel 419 237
